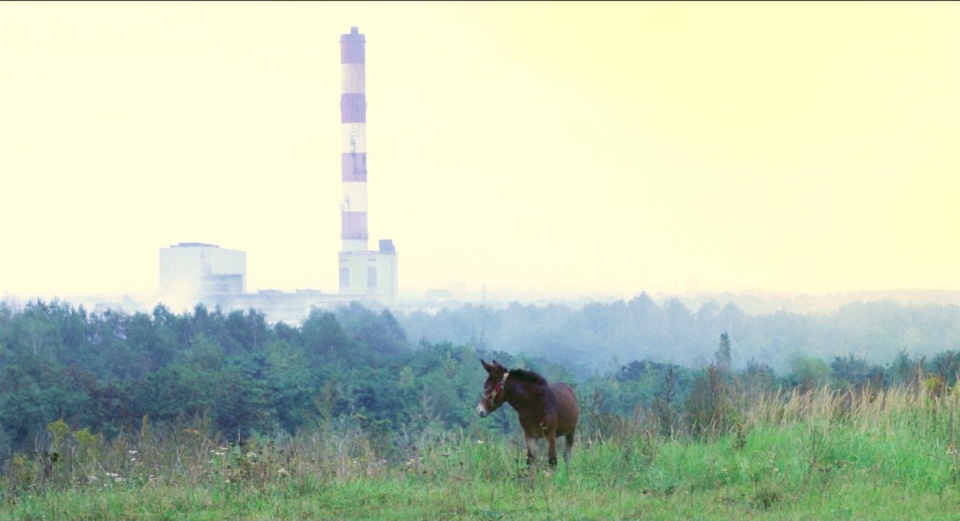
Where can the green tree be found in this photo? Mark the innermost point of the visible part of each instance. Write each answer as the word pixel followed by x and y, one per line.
pixel 710 407
pixel 21 404
pixel 378 337
pixel 758 378
pixel 904 369
pixel 946 366
pixel 324 340
pixel 853 371
pixel 154 346
pixel 723 356
pixel 291 386
pixel 247 331
pixel 241 403
pixel 808 373
pixel 664 404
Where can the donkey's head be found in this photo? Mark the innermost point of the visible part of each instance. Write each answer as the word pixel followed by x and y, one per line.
pixel 494 388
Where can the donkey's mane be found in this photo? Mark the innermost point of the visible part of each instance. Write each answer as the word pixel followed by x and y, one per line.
pixel 527 375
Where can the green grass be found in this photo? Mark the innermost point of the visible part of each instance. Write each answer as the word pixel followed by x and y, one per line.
pixel 812 456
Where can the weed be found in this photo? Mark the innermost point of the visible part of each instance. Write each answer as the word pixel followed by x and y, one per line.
pixel 890 454
pixel 766 497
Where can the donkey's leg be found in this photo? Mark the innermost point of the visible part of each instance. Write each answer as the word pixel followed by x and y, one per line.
pixel 552 447
pixel 531 448
pixel 568 447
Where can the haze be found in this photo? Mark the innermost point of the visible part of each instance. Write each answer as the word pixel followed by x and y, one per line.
pixel 582 147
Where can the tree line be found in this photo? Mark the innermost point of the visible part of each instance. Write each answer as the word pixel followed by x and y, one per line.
pixel 113 371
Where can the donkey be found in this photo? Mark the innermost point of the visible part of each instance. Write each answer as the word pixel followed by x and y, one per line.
pixel 546 410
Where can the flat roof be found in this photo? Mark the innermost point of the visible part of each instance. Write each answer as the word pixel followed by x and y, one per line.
pixel 193 245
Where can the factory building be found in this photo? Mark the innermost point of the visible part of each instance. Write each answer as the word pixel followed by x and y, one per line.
pixel 205 273
pixel 198 270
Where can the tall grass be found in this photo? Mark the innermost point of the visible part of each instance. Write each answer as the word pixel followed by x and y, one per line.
pixel 824 454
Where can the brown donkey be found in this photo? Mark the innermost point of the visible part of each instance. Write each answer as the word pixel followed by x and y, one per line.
pixel 545 410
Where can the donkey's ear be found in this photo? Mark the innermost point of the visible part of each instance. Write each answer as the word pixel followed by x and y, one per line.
pixel 499 366
pixel 487 366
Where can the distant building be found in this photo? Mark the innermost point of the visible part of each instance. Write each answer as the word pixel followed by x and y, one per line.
pixel 197 271
pixel 277 305
pixel 370 274
pixel 192 272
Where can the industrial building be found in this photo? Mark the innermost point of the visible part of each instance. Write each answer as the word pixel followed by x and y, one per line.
pixel 198 269
pixel 208 274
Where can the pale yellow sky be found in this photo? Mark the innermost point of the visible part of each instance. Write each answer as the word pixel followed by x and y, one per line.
pixel 602 147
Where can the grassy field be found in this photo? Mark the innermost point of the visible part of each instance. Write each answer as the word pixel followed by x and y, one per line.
pixel 819 455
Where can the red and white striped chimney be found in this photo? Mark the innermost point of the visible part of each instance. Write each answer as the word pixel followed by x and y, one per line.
pixel 353 120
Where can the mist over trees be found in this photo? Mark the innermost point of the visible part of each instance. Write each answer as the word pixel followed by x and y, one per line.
pixel 602 336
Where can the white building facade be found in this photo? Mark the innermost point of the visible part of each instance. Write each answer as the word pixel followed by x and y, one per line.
pixel 197 270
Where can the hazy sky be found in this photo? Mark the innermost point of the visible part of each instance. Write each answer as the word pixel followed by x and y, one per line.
pixel 612 147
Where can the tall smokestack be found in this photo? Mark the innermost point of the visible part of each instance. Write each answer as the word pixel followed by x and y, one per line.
pixel 353 121
pixel 363 274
